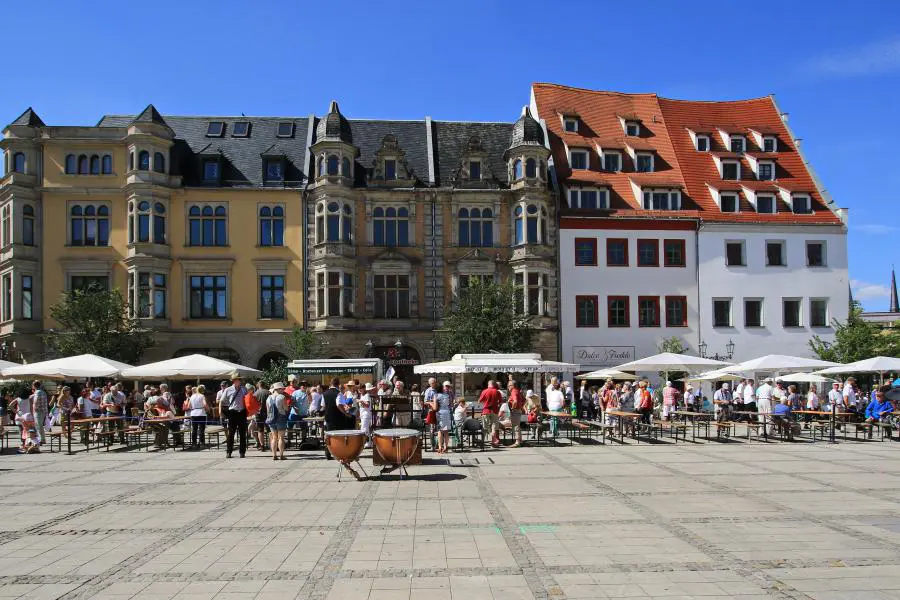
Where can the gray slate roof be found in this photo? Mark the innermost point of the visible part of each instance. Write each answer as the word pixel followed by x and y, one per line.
pixel 412 139
pixel 451 140
pixel 242 156
pixel 29 118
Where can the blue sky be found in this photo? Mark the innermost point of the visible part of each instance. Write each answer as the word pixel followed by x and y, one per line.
pixel 834 67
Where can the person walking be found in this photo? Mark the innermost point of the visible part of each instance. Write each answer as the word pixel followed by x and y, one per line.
pixel 198 410
pixel 516 404
pixel 276 419
pixel 670 396
pixel 644 401
pixel 491 400
pixel 442 404
pixel 235 416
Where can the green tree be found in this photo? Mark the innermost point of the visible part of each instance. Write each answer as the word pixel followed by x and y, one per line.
pixel 299 344
pixel 96 321
pixel 484 318
pixel 675 346
pixel 856 339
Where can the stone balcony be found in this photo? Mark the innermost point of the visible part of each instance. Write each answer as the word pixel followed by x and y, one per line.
pixel 333 250
pixel 532 252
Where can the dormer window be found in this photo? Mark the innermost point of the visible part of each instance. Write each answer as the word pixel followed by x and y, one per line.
pixel 474 170
pixel 589 198
pixel 702 143
pixel 612 162
pixel 390 170
pixel 274 170
pixel 240 129
pixel 285 129
pixel 632 128
pixel 578 159
pixel 801 204
pixel 662 200
pixel 765 205
pixel 215 129
pixel 770 143
pixel 644 162
pixel 729 203
pixel 738 143
pixel 211 170
pixel 571 124
pixel 766 171
pixel 731 170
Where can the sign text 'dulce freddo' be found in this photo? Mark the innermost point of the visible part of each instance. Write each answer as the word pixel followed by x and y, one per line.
pixel 603 356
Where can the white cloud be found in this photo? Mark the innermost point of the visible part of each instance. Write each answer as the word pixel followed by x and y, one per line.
pixel 875 229
pixel 871 59
pixel 863 290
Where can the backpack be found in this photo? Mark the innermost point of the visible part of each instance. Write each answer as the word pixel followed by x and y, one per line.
pixel 251 404
pixel 271 409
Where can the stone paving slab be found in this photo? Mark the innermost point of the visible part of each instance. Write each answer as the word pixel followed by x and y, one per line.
pixel 702 520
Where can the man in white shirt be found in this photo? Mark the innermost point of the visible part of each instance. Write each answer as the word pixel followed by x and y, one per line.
pixel 689 398
pixel 850 394
pixel 555 402
pixel 749 398
pixel 554 382
pixel 764 402
pixel 835 398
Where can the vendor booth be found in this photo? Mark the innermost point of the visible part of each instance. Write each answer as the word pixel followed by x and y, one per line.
pixel 321 371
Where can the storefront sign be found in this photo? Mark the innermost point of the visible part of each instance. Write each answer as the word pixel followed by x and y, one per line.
pixel 602 356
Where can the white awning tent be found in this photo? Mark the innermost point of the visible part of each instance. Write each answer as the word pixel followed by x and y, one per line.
pixel 780 363
pixel 724 374
pixel 5 364
pixel 805 378
pixel 193 366
pixel 496 363
pixel 668 361
pixel 606 374
pixel 71 367
pixel 876 364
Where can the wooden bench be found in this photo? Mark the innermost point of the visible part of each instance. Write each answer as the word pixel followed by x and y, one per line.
pixel 674 430
pixel 55 435
pixel 580 429
pixel 653 431
pixel 754 428
pixel 604 429
pixel 724 429
pixel 863 428
pixel 885 428
pixel 215 430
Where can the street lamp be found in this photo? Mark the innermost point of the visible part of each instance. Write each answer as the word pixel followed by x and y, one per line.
pixel 398 344
pixel 702 347
pixel 729 351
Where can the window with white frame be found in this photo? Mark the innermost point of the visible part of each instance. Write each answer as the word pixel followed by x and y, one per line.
pixel 702 143
pixel 753 312
pixel 390 226
pixel 591 198
pixel 334 222
pixel 570 124
pixel 801 204
pixel 146 222
pixel 731 170
pixel 89 225
pixel 729 203
pixel 644 162
pixel 662 200
pixel 208 225
pixel 738 143
pixel 533 292
pixel 735 254
pixel 612 162
pixel 775 253
pixel 530 223
pixel 334 294
pixel 578 159
pixel 765 204
pixel 818 312
pixel 770 143
pixel 391 294
pixel 815 254
pixel 791 312
pixel 766 170
pixel 721 312
pixel 475 227
pixel 147 293
pixel 632 128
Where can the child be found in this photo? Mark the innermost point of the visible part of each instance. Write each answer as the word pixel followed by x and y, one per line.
pixel 31 444
pixel 533 412
pixel 459 413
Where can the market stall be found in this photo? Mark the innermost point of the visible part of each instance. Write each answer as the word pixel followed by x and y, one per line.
pixel 320 371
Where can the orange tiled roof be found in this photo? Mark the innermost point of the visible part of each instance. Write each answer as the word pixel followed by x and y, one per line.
pixel 664 129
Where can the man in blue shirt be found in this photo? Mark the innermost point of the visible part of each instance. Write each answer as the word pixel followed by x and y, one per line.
pixel 878 408
pixel 299 410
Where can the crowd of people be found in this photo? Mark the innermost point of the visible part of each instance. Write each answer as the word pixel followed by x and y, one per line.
pixel 262 413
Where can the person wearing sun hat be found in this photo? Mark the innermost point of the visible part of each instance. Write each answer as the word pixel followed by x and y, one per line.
pixel 235 415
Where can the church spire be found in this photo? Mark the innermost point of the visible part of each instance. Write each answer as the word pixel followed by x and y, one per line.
pixel 895 307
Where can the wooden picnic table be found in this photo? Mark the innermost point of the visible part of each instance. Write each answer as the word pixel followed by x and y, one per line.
pixel 557 414
pixel 87 421
pixel 623 414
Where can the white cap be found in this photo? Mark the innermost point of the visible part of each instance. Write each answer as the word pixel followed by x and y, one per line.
pixel 668 383
pixel 725 386
pixel 530 394
pixel 447 383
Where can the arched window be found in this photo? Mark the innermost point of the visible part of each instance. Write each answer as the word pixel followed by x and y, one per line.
pixel 334 223
pixel 207 225
pixel 83 167
pixel 143 160
pixel 71 164
pixel 28 225
pixel 517 169
pixel 519 219
pixel 345 168
pixel 476 227
pixel 89 225
pixel 159 162
pixel 19 162
pixel 332 165
pixel 271 226
pixel 391 226
pixel 95 165
pixel 143 221
pixel 159 223
pixel 530 223
pixel 107 164
pixel 530 168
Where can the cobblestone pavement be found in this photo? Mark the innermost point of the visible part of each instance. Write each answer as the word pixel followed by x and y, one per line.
pixel 732 520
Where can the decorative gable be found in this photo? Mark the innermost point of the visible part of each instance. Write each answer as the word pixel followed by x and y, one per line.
pixel 390 166
pixel 474 168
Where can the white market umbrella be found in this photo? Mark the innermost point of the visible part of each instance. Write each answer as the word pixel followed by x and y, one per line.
pixel 781 362
pixel 725 374
pixel 877 364
pixel 668 361
pixel 70 367
pixel 5 364
pixel 192 366
pixel 606 374
pixel 805 378
pixel 497 363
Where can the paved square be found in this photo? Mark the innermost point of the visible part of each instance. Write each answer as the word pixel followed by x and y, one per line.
pixel 733 520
